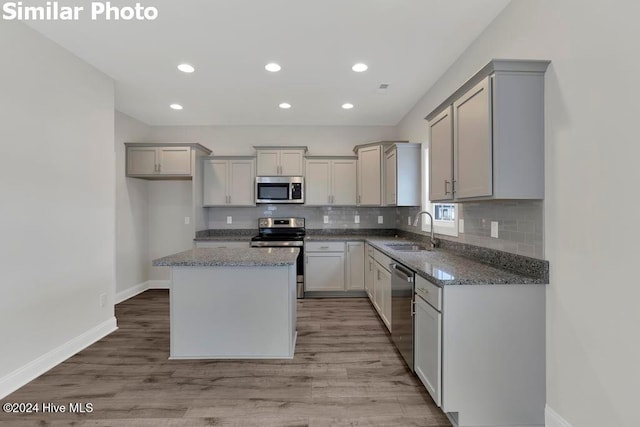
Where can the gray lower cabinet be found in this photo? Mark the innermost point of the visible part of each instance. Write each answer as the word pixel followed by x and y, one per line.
pixel 324 266
pixel 354 266
pixel 479 351
pixel 487 139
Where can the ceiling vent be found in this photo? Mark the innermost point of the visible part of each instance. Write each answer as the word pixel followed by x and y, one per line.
pixel 382 88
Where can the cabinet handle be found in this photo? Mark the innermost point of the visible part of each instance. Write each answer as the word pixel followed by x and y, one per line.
pixel 445 186
pixel 324 247
pixel 453 186
pixel 358 199
pixel 159 167
pixel 229 199
pixel 413 308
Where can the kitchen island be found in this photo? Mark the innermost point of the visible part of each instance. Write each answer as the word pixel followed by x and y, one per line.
pixel 228 303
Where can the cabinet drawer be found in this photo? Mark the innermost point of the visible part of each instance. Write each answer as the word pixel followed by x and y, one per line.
pixel 430 292
pixel 369 250
pixel 382 259
pixel 324 247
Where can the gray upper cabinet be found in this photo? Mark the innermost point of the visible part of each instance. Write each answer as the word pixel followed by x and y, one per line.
pixel 274 161
pixel 487 139
pixel 371 160
pixel 229 181
pixel 472 142
pixel 161 160
pixel 402 176
pixel 441 156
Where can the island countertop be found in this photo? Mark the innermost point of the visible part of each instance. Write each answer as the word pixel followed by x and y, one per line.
pixel 230 257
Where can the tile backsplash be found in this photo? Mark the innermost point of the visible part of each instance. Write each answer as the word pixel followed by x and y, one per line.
pixel 339 217
pixel 520 222
pixel 520 225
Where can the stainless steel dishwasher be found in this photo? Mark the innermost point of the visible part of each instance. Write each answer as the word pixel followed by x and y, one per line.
pixel 402 298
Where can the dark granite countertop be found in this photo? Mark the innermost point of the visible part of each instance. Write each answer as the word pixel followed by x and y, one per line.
pixel 230 257
pixel 455 264
pixel 227 235
pixel 445 268
pixel 451 264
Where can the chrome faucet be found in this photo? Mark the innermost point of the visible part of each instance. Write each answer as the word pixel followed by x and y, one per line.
pixel 415 224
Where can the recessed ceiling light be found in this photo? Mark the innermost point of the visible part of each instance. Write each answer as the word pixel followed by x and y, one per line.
pixel 186 68
pixel 285 105
pixel 273 67
pixel 347 106
pixel 360 67
pixel 176 106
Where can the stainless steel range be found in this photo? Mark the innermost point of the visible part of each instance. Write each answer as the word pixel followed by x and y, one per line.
pixel 283 232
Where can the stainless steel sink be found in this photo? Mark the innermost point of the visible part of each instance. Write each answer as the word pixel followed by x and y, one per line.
pixel 407 247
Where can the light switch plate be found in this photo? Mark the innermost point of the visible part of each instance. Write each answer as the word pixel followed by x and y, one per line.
pixel 325 219
pixel 187 220
pixel 229 220
pixel 356 219
pixel 494 229
pixel 380 219
pixel 461 226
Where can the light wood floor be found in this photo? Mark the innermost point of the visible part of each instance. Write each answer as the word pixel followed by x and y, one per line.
pixel 345 372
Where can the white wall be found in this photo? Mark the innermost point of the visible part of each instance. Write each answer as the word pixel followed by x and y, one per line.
pixel 593 343
pixel 57 183
pixel 169 203
pixel 239 140
pixel 132 210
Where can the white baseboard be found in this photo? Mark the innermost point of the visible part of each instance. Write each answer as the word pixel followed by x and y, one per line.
pixel 159 284
pixel 552 419
pixel 140 288
pixel 32 370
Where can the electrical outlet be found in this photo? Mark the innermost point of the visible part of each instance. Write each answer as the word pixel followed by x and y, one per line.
pixel 408 220
pixel 356 219
pixel 187 220
pixel 494 229
pixel 461 226
pixel 380 219
pixel 229 219
pixel 325 219
pixel 103 300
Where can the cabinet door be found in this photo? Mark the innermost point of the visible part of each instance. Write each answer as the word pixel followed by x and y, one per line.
pixel 428 348
pixel 241 182
pixel 324 271
pixel 473 170
pixel 318 182
pixel 368 277
pixel 369 191
pixel 268 162
pixel 441 156
pixel 216 173
pixel 385 278
pixel 355 266
pixel 382 294
pixel 175 161
pixel 292 162
pixel 390 177
pixel 142 160
pixel 344 182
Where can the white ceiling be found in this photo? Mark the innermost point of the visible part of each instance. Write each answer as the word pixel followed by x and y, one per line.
pixel 406 43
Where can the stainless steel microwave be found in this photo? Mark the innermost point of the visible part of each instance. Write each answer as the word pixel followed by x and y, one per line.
pixel 279 189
